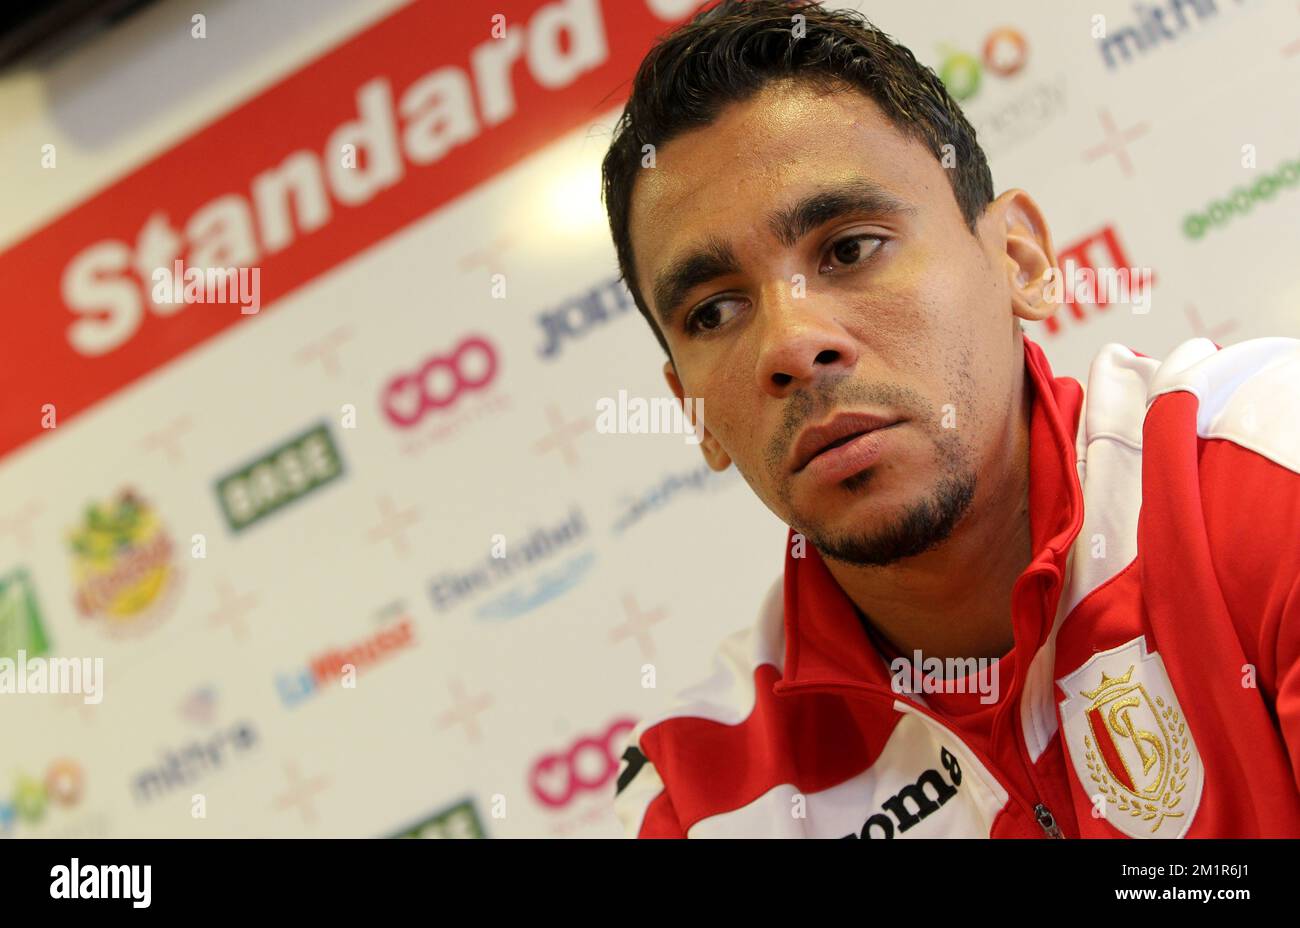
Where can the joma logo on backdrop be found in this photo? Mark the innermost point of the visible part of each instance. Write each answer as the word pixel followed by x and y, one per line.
pixel 577 316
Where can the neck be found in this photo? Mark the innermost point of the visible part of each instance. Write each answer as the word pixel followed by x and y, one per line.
pixel 955 600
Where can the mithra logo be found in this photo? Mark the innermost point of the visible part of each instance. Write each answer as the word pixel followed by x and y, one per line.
pixel 922 804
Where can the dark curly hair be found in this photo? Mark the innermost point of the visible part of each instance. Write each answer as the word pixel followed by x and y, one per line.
pixel 730 51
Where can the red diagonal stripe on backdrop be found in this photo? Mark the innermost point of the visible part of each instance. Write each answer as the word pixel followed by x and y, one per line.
pixel 39 365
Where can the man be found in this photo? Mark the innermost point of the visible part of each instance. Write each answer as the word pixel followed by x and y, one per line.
pixel 1010 607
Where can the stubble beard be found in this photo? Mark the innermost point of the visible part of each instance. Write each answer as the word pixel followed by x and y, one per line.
pixel 923 524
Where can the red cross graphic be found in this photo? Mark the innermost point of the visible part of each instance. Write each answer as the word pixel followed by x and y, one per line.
pixel 231 608
pixel 465 711
pixel 562 435
pixel 300 793
pixel 1216 334
pixel 393 525
pixel 326 350
pixel 1115 142
pixel 19 524
pixel 168 438
pixel 638 625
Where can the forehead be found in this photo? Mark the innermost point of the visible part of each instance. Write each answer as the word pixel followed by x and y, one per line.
pixel 788 139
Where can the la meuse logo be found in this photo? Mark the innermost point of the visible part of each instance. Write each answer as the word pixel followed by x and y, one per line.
pixel 331 665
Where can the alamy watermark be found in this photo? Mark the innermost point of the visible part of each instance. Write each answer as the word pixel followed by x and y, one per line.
pixel 1100 286
pixel 946 675
pixel 53 675
pixel 658 415
pixel 76 880
pixel 183 285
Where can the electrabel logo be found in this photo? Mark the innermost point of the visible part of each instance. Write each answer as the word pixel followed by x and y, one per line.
pixel 588 765
pixel 28 800
pixel 458 821
pixel 194 761
pixel 511 556
pixel 341 665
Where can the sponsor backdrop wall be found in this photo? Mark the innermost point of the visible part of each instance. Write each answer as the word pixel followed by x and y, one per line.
pixel 280 530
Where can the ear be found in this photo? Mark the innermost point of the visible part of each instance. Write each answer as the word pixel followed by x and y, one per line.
pixel 713 454
pixel 1028 255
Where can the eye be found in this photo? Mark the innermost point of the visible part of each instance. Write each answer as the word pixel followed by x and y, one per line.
pixel 849 250
pixel 712 315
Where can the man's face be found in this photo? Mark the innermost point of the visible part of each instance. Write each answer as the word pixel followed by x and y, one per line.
pixel 809 267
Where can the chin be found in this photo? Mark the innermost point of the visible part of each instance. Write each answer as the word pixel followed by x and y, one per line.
pixel 844 513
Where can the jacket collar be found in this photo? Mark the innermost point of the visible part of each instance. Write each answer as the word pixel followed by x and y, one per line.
pixel 825 643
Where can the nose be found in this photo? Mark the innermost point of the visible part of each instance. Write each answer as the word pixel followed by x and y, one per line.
pixel 801 343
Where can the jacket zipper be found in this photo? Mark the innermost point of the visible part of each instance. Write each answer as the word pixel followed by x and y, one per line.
pixel 1038 812
pixel 1043 815
pixel 1047 821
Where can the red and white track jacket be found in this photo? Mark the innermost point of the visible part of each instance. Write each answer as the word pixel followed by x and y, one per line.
pixel 1153 689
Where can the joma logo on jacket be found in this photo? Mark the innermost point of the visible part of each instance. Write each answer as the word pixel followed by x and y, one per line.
pixel 921 803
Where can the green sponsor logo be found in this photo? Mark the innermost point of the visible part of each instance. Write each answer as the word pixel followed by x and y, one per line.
pixel 279 477
pixel 20 617
pixel 458 821
pixel 1241 200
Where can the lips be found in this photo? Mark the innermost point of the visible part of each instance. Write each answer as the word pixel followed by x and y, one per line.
pixel 842 430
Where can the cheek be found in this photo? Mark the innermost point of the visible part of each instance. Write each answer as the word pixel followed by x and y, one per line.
pixel 935 315
pixel 900 327
pixel 725 415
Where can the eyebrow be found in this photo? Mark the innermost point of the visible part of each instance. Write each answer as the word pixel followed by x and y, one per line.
pixel 714 257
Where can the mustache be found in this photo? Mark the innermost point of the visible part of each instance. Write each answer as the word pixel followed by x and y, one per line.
pixel 814 404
